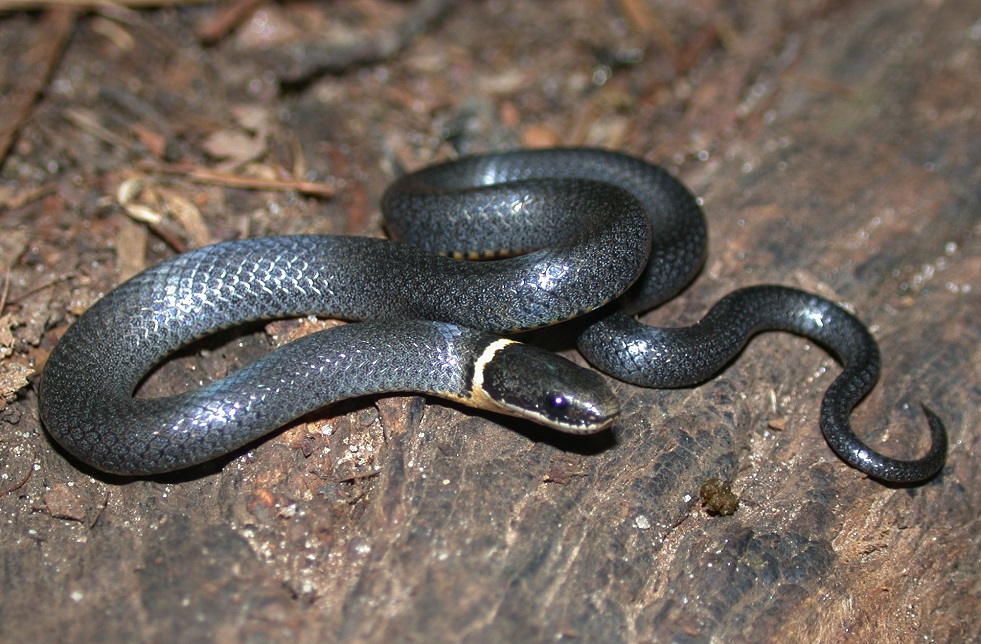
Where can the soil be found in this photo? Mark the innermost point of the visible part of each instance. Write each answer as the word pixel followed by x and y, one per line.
pixel 836 145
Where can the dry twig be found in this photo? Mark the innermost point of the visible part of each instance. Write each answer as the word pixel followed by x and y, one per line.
pixel 38 66
pixel 215 177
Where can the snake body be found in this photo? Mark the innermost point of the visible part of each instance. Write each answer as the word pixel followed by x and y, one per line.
pixel 602 234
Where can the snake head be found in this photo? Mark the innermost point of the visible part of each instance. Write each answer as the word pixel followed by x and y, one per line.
pixel 528 382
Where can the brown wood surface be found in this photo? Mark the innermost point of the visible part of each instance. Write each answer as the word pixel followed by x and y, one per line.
pixel 837 147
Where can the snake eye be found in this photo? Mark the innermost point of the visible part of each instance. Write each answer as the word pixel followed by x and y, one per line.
pixel 556 401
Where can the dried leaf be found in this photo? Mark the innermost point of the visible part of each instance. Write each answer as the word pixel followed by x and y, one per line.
pixel 13 377
pixel 237 147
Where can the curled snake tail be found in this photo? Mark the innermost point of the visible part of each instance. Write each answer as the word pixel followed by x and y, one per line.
pixel 852 450
pixel 684 356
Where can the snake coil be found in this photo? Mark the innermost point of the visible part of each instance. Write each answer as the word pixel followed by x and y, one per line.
pixel 600 233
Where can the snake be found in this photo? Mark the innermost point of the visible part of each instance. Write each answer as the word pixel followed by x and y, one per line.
pixel 576 236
